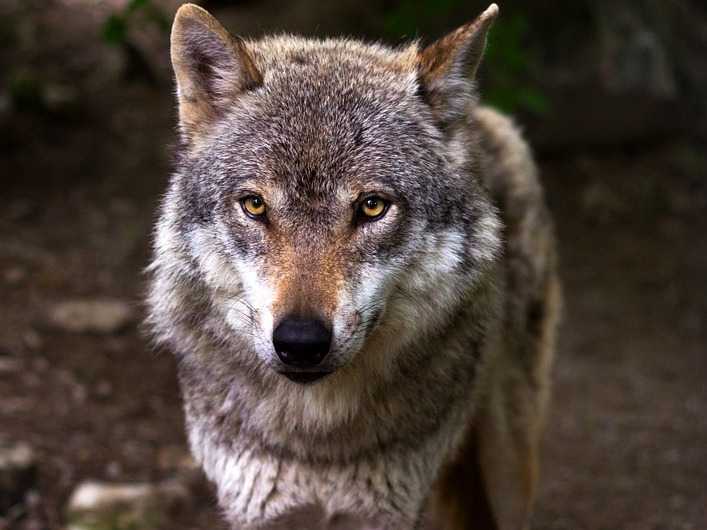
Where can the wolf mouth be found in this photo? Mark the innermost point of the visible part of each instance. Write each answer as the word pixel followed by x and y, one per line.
pixel 305 377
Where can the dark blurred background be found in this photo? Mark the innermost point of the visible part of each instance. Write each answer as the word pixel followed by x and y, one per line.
pixel 610 94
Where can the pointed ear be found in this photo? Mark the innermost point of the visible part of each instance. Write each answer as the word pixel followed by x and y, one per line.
pixel 448 66
pixel 211 68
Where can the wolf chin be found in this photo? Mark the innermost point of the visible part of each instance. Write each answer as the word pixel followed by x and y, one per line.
pixel 355 268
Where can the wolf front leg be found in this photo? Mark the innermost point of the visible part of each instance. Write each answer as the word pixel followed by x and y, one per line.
pixel 460 500
pixel 508 459
pixel 512 419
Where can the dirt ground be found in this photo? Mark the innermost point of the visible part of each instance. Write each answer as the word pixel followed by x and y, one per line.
pixel 626 445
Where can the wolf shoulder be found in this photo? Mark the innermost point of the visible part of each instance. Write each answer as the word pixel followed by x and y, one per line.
pixel 507 165
pixel 509 172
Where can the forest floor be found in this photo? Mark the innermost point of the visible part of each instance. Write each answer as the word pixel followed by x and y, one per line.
pixel 626 444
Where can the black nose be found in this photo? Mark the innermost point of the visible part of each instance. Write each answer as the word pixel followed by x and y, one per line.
pixel 301 342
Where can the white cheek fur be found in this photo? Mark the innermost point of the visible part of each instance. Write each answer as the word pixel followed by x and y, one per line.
pixel 240 293
pixel 259 296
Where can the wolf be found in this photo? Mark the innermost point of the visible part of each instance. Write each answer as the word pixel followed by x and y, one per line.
pixel 356 269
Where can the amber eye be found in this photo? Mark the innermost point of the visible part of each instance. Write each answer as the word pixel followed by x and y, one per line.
pixel 373 208
pixel 253 206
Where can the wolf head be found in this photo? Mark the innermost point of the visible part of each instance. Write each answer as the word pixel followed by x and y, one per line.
pixel 326 210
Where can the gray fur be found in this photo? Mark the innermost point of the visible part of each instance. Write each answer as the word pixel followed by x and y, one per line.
pixel 422 304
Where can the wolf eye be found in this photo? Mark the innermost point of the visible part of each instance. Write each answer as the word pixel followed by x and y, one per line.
pixel 373 208
pixel 253 206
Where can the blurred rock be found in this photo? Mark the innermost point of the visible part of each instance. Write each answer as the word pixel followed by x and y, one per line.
pixel 620 72
pixel 102 316
pixel 18 473
pixel 634 58
pixel 104 506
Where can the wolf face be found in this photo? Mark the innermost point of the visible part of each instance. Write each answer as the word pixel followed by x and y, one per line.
pixel 321 187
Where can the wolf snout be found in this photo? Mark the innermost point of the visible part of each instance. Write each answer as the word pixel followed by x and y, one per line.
pixel 301 342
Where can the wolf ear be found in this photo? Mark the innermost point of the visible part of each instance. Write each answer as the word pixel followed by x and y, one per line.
pixel 447 67
pixel 211 68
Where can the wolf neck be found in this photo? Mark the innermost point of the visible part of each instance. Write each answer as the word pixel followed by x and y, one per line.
pixel 381 463
pixel 433 379
pixel 249 437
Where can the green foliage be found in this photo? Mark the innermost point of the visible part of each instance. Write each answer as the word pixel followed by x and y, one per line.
pixel 117 25
pixel 509 64
pixel 404 19
pixel 115 29
pixel 26 91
